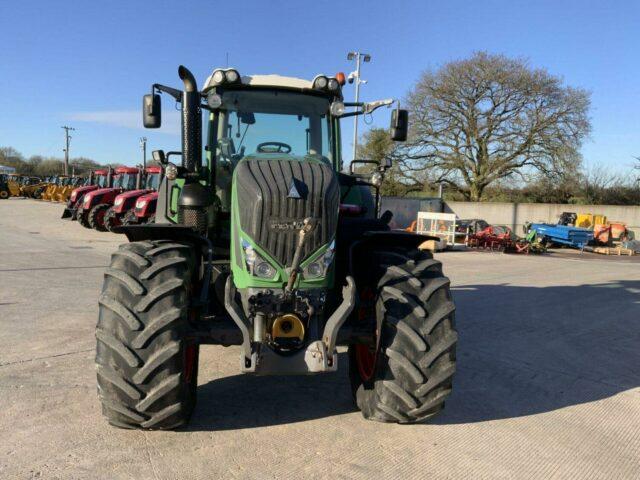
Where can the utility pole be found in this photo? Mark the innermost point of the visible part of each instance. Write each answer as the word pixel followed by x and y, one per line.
pixel 66 149
pixel 143 146
pixel 355 77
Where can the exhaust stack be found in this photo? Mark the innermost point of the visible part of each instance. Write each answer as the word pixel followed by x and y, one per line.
pixel 191 122
pixel 194 197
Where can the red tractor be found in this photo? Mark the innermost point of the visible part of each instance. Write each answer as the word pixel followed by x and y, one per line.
pixel 126 201
pixel 97 179
pixel 144 211
pixel 96 203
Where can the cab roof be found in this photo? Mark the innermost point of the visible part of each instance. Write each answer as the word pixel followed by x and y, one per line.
pixel 266 81
pixel 126 170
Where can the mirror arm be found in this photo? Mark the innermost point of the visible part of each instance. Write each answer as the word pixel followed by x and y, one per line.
pixel 175 93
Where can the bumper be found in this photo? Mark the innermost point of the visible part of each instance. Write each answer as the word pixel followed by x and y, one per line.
pixel 318 357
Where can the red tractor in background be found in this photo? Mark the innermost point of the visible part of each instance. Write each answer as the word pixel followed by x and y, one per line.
pixel 126 201
pixel 144 211
pixel 97 179
pixel 96 203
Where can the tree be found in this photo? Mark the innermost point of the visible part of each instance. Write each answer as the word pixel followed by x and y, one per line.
pixel 376 144
pixel 489 118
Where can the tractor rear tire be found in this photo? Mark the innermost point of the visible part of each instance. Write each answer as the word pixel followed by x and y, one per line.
pixel 4 194
pixel 111 219
pixel 407 376
pixel 96 217
pixel 147 366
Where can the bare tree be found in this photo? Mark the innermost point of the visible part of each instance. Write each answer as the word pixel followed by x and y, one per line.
pixel 487 118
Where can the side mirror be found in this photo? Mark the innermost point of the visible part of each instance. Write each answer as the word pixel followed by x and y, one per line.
pixel 151 111
pixel 399 125
pixel 159 157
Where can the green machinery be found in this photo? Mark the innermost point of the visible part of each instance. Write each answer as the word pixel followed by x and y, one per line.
pixel 261 241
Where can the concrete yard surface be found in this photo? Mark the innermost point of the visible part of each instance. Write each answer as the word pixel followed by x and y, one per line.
pixel 547 384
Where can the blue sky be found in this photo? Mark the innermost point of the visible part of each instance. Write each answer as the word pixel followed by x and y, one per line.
pixel 87 63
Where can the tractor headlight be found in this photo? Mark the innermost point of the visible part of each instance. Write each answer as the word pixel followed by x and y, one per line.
pixel 86 201
pixel 141 204
pixel 320 266
pixel 218 77
pixel 256 265
pixel 171 171
pixel 320 82
pixel 333 85
pixel 118 201
pixel 73 196
pixel 376 179
pixel 337 109
pixel 232 76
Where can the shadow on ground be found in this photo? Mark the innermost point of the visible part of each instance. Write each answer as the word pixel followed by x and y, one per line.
pixel 522 351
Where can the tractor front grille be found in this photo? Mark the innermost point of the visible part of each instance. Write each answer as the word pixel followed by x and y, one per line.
pixel 271 211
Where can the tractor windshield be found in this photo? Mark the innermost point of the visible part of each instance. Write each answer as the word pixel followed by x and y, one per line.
pixel 126 181
pixel 273 122
pixel 153 181
pixel 101 181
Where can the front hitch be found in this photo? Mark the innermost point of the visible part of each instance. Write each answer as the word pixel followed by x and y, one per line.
pixel 318 357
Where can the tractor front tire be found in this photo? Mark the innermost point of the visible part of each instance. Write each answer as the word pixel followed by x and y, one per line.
pixel 130 218
pixel 146 365
pixel 4 194
pixel 408 375
pixel 96 217
pixel 111 219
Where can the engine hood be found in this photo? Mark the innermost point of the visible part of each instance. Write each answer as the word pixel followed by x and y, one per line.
pixel 85 189
pixel 132 194
pixel 149 196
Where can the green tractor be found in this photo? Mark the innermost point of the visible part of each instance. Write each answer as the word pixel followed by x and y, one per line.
pixel 262 242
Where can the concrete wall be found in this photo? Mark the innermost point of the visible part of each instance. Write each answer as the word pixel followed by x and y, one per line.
pixel 516 214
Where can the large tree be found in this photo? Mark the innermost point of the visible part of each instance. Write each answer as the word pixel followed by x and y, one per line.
pixel 489 118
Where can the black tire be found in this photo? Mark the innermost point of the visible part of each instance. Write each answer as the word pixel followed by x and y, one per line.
pixel 111 219
pixel 96 217
pixel 4 194
pixel 146 366
pixel 38 193
pixel 130 218
pixel 413 364
pixel 83 218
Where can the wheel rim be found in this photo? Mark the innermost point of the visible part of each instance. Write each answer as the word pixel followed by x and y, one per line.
pixel 189 362
pixel 366 355
pixel 100 217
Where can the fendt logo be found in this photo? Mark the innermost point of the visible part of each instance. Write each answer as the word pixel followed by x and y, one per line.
pixel 298 189
pixel 284 225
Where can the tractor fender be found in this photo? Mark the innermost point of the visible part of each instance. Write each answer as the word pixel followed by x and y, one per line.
pixel 385 238
pixel 158 231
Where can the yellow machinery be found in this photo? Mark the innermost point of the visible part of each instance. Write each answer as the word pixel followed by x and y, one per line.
pixel 30 185
pixel 63 193
pixel 589 220
pixel 54 187
pixel 13 185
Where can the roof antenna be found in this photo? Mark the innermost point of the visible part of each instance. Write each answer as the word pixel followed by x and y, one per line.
pixel 227 60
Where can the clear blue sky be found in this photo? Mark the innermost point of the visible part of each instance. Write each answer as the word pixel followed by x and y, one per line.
pixel 87 63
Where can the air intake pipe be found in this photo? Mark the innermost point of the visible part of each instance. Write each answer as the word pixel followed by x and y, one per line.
pixel 194 197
